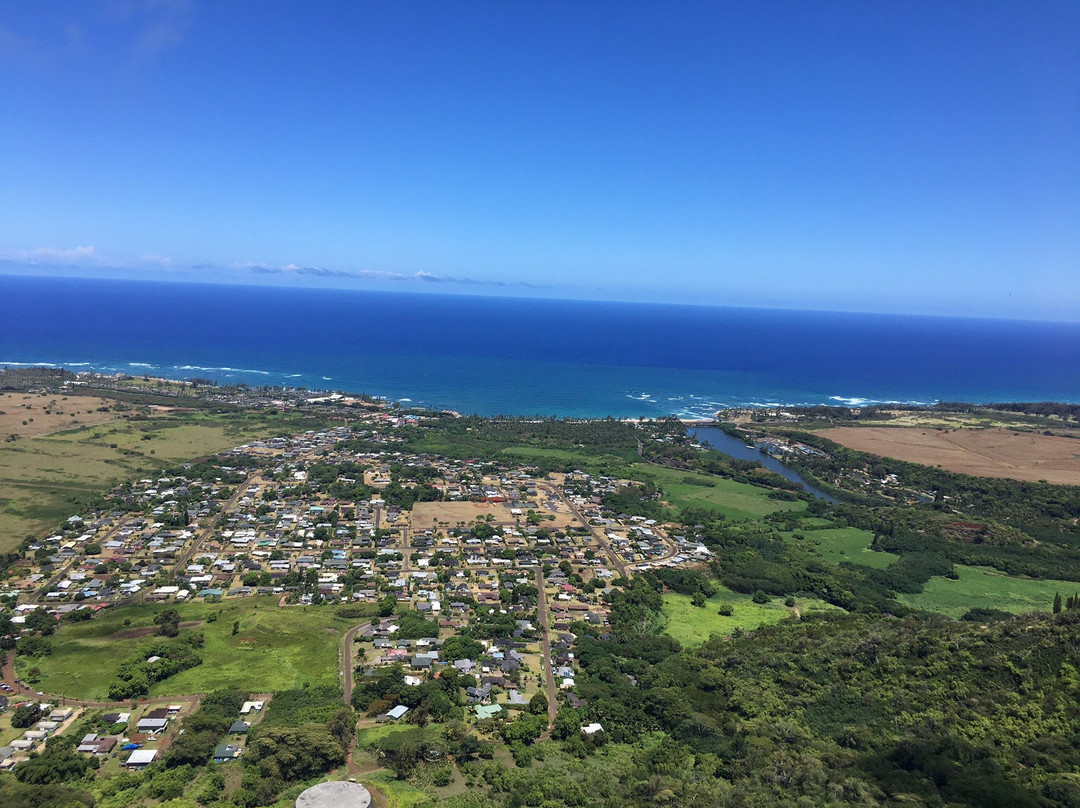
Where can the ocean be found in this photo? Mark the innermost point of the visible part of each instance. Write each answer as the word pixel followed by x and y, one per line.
pixel 526 356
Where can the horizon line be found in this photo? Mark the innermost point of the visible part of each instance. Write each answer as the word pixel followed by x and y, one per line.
pixel 442 291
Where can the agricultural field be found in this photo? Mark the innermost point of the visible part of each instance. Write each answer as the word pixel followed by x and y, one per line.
pixel 986 588
pixel 735 500
pixel 691 625
pixel 837 545
pixel 271 648
pixel 1027 455
pixel 27 415
pixel 47 478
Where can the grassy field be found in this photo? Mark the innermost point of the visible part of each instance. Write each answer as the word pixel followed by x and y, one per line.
pixel 273 649
pixel 844 544
pixel 735 500
pixel 692 626
pixel 46 479
pixel 8 733
pixel 983 587
pixel 535 452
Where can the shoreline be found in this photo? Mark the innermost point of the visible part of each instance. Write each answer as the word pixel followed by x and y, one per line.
pixel 695 409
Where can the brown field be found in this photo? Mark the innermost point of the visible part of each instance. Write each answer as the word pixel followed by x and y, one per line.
pixel 427 515
pixel 50 413
pixel 1026 456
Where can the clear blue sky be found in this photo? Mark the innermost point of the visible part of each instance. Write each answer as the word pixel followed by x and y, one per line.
pixel 869 156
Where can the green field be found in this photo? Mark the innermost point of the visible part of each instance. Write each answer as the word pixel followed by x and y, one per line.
pixel 274 649
pixel 983 587
pixel 734 500
pixel 692 626
pixel 45 479
pixel 537 452
pixel 836 545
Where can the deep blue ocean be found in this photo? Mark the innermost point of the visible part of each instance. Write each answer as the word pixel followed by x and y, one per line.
pixel 524 356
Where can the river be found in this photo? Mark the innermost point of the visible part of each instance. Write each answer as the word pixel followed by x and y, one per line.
pixel 724 443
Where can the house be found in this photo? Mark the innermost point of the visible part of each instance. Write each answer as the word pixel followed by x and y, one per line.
pixel 153 725
pixel 394 714
pixel 592 729
pixel 239 728
pixel 487 711
pixel 93 745
pixel 226 752
pixel 515 699
pixel 251 706
pixel 140 758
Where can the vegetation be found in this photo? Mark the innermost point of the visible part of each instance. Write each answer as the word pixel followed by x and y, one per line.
pixel 274 649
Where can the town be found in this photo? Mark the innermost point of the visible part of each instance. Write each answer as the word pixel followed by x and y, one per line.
pixel 475 565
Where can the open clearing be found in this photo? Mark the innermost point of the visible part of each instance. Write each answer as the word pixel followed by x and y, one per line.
pixel 429 515
pixel 30 414
pixel 45 479
pixel 1029 456
pixel 986 588
pixel 692 626
pixel 684 489
pixel 273 649
pixel 837 545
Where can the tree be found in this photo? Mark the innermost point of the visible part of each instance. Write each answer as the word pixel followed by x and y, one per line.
pixel 387 606
pixel 524 729
pixel 295 753
pixel 58 763
pixel 538 704
pixel 1057 603
pixel 26 716
pixel 168 623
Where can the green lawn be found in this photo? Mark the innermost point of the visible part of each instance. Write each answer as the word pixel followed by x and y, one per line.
pixel 274 649
pixel 843 544
pixel 983 587
pixel 735 500
pixel 692 626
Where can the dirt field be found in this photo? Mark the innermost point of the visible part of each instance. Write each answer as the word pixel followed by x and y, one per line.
pixel 44 414
pixel 981 452
pixel 427 515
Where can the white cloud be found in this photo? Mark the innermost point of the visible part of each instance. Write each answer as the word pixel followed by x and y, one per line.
pixel 74 255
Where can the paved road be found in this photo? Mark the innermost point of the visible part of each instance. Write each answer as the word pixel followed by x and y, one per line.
pixel 545 644
pixel 596 534
pixel 184 558
pixel 48 587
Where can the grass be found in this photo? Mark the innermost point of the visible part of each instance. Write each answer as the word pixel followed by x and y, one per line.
pixel 533 452
pixel 274 649
pixel 983 587
pixel 8 733
pixel 399 793
pixel 48 478
pixel 734 500
pixel 851 544
pixel 692 626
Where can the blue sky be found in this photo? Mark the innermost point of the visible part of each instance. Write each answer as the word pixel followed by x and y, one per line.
pixel 895 156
